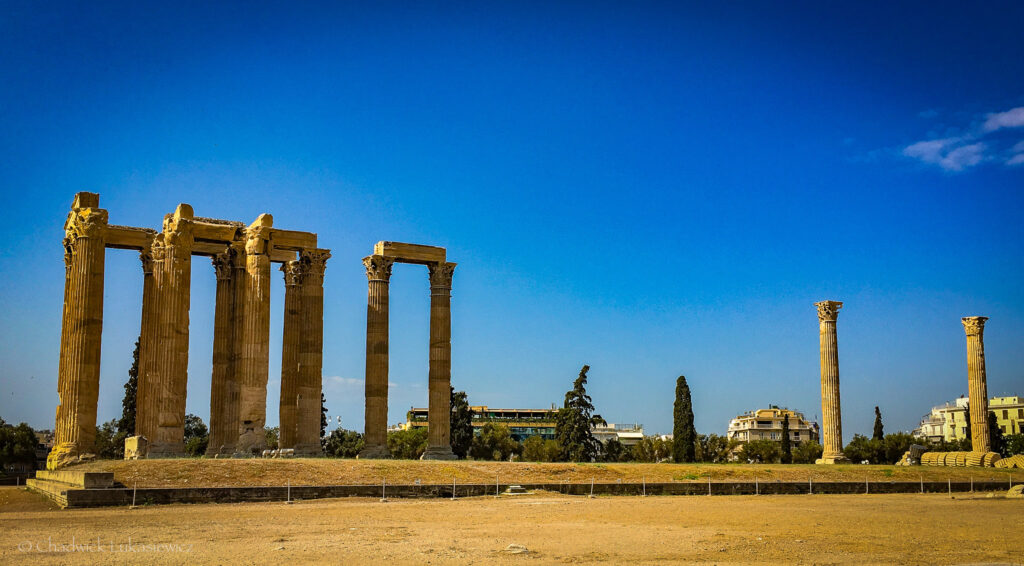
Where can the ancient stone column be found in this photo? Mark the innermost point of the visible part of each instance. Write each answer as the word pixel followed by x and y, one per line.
pixel 291 337
pixel 439 445
pixel 255 354
pixel 78 380
pixel 378 272
pixel 311 351
pixel 223 412
pixel 174 278
pixel 977 387
pixel 831 415
pixel 146 394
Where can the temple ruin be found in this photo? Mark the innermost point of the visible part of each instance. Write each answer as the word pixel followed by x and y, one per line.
pixel 378 272
pixel 242 257
pixel 831 413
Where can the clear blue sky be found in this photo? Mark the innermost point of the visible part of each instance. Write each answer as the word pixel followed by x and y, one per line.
pixel 653 189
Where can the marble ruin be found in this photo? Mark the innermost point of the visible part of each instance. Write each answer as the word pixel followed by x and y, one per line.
pixel 977 388
pixel 378 272
pixel 831 415
pixel 242 257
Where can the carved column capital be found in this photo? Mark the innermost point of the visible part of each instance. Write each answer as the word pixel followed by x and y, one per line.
pixel 441 274
pixel 224 264
pixel 974 325
pixel 293 273
pixel 146 257
pixel 85 223
pixel 828 311
pixel 378 267
pixel 257 240
pixel 314 261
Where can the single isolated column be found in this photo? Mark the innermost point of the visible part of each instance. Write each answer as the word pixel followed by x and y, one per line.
pixel 291 337
pixel 145 393
pixel 378 272
pixel 439 446
pixel 175 281
pixel 78 380
pixel 311 353
pixel 255 358
pixel 831 415
pixel 223 418
pixel 977 387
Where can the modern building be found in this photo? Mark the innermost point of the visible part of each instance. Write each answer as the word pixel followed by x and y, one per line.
pixel 524 423
pixel 766 424
pixel 949 422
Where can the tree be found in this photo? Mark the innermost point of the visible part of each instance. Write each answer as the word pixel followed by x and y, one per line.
pixel 461 424
pixel 494 442
pixel 17 444
pixel 895 445
pixel 863 449
pixel 106 441
pixel 967 431
pixel 197 437
pixel 760 452
pixel 343 443
pixel 786 450
pixel 323 418
pixel 1013 444
pixel 537 449
pixel 126 425
pixel 614 451
pixel 574 421
pixel 408 444
pixel 714 449
pixel 878 433
pixel 807 452
pixel 651 449
pixel 684 436
pixel 272 435
pixel 995 434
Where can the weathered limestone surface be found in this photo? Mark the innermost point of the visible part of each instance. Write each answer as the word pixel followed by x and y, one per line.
pixel 173 280
pixel 229 268
pixel 311 347
pixel 440 372
pixel 146 394
pixel 977 387
pixel 831 415
pixel 255 360
pixel 136 448
pixel 291 336
pixel 378 273
pixel 78 380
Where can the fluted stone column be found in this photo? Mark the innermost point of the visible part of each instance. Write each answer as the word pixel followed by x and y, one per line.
pixel 146 394
pixel 255 355
pixel 831 415
pixel 291 337
pixel 81 329
pixel 439 446
pixel 378 272
pixel 223 387
pixel 174 278
pixel 311 350
pixel 977 387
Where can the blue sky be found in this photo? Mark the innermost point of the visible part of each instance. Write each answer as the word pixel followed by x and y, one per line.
pixel 654 190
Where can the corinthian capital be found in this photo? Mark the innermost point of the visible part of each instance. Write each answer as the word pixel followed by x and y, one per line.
pixel 974 325
pixel 441 274
pixel 85 223
pixel 828 311
pixel 224 264
pixel 314 261
pixel 293 273
pixel 378 267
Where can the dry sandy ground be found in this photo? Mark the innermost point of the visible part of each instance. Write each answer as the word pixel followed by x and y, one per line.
pixel 818 529
pixel 201 472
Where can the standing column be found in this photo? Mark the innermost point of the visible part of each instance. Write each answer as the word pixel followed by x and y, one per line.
pixel 171 361
pixel 311 352
pixel 291 337
pixel 977 387
pixel 223 431
pixel 439 412
pixel 146 395
pixel 78 380
pixel 378 272
pixel 255 355
pixel 831 415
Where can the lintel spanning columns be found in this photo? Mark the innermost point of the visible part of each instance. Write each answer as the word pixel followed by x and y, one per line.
pixel 378 272
pixel 242 256
pixel 977 386
pixel 831 413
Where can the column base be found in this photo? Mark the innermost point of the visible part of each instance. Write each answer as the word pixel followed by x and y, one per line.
pixel 65 455
pixel 833 459
pixel 308 450
pixel 166 450
pixel 375 452
pixel 439 453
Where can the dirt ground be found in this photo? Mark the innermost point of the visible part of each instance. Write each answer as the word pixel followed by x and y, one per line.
pixel 201 472
pixel 811 529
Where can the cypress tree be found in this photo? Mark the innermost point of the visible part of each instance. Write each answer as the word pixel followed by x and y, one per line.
pixel 126 424
pixel 323 418
pixel 684 435
pixel 574 421
pixel 787 450
pixel 878 433
pixel 995 434
pixel 461 424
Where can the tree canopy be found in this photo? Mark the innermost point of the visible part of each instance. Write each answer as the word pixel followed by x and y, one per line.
pixel 574 421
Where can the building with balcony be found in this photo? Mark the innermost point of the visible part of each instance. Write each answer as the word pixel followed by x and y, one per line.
pixel 627 434
pixel 766 424
pixel 524 423
pixel 949 422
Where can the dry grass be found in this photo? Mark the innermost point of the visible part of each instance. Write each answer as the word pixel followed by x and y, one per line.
pixel 200 472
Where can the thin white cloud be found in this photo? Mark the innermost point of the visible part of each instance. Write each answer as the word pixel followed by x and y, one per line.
pixel 963 157
pixel 1016 159
pixel 1013 118
pixel 949 153
pixel 930 151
